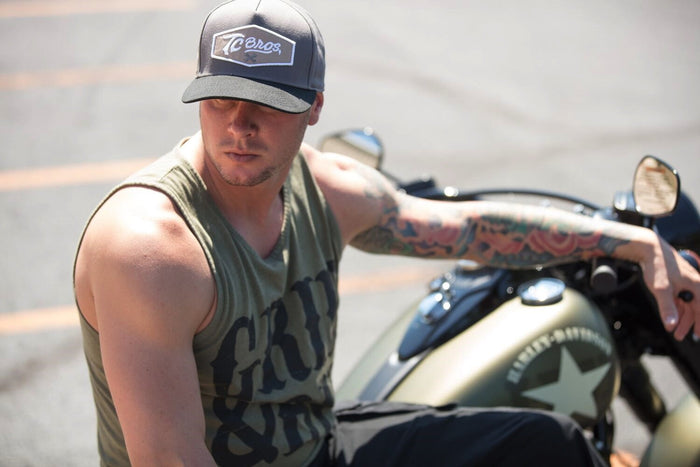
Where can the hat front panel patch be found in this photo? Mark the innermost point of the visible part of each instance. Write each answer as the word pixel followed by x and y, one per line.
pixel 253 46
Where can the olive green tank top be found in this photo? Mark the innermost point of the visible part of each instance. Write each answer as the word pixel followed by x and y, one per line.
pixel 264 362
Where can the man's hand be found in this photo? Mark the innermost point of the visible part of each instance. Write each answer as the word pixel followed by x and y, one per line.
pixel 668 276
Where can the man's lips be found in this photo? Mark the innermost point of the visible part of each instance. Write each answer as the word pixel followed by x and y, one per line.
pixel 240 156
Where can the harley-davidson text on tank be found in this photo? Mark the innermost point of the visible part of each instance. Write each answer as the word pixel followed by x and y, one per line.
pixel 584 363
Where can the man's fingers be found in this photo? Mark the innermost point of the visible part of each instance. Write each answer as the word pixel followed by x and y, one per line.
pixel 674 283
pixel 669 315
pixel 667 308
pixel 685 323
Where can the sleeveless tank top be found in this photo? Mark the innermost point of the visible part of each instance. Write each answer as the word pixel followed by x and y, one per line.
pixel 264 362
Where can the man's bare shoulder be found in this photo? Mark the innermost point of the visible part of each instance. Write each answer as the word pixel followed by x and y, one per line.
pixel 135 224
pixel 138 252
pixel 330 168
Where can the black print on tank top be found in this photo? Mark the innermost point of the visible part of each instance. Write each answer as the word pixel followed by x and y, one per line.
pixel 226 367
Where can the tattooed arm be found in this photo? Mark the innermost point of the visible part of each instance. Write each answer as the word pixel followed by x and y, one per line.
pixel 375 217
pixel 496 234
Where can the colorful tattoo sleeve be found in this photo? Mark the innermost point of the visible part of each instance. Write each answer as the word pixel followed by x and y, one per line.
pixel 498 234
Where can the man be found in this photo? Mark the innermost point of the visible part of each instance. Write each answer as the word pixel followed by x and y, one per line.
pixel 207 282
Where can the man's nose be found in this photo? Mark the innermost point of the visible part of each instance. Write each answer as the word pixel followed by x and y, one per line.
pixel 242 118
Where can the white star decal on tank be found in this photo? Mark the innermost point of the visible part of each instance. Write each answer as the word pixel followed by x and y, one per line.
pixel 573 391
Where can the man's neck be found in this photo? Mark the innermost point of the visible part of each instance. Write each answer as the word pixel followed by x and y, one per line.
pixel 255 212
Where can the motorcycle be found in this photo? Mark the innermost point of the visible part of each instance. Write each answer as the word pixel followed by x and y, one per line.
pixel 568 338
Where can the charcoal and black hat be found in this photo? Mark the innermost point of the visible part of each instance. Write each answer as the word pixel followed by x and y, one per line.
pixel 265 51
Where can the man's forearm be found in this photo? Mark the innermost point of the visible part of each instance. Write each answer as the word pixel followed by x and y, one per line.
pixel 497 234
pixel 508 235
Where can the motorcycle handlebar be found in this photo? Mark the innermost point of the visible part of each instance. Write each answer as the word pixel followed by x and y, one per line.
pixel 604 278
pixel 603 275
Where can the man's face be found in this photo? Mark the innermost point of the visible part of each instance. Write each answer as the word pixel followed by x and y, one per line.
pixel 248 143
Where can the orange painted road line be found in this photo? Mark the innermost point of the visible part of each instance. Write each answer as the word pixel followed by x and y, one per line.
pixel 112 74
pixel 21 322
pixel 388 279
pixel 44 177
pixel 46 319
pixel 37 8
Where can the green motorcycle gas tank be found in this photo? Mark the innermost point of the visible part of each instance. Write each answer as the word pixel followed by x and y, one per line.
pixel 558 356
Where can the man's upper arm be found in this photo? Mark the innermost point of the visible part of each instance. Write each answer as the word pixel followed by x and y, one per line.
pixel 150 290
pixel 375 217
pixel 358 195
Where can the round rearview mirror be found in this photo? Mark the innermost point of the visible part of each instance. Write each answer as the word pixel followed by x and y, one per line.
pixel 360 144
pixel 656 187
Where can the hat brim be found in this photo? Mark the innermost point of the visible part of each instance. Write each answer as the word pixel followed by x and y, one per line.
pixel 284 98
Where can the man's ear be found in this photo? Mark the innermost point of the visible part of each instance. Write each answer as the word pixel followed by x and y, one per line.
pixel 315 111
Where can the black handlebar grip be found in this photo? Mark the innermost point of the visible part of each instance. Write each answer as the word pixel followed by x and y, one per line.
pixel 603 276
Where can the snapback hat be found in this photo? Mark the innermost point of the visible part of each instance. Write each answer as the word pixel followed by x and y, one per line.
pixel 265 51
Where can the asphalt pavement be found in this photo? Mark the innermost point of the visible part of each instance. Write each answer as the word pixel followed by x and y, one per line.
pixel 566 96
